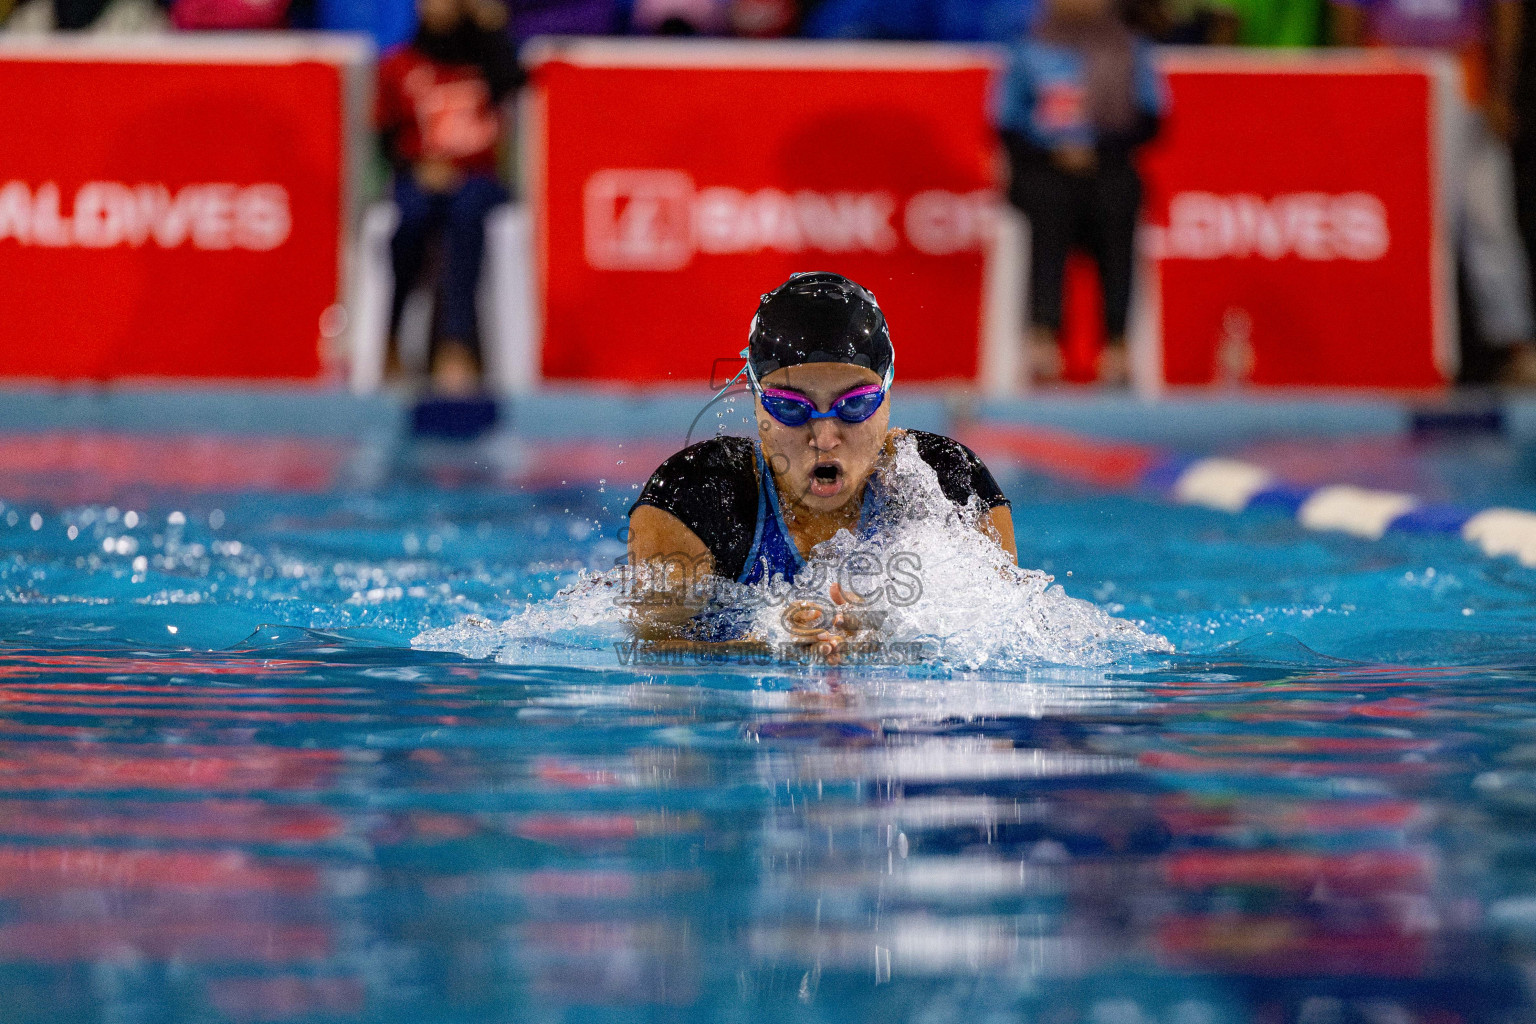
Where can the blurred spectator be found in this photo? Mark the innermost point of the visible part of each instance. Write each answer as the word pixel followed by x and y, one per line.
pixel 764 19
pixel 1524 110
pixel 998 21
pixel 1293 23
pixel 1080 95
pixel 758 19
pixel 563 18
pixel 440 122
pixel 1180 22
pixel 681 17
pixel 217 15
pixel 103 17
pixel 1484 35
pixel 1280 23
pixel 389 22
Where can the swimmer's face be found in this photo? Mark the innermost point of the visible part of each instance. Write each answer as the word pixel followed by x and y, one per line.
pixel 823 464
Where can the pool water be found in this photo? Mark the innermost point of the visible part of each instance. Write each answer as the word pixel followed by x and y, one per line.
pixel 230 790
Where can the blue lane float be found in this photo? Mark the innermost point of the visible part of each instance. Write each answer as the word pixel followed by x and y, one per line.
pixel 1232 485
pixel 1235 486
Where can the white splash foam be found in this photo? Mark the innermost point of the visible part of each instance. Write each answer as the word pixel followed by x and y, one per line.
pixel 937 580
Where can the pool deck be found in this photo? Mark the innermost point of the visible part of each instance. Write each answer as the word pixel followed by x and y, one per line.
pixel 1181 420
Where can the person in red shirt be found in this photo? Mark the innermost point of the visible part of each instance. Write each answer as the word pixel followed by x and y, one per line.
pixel 440 122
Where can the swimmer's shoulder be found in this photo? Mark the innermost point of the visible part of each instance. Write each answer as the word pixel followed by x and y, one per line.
pixel 717 460
pixel 960 471
pixel 707 485
pixel 711 488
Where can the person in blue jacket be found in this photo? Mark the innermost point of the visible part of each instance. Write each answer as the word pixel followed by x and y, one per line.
pixel 1080 95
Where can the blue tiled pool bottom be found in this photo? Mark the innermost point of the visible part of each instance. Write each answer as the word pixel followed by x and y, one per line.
pixel 230 791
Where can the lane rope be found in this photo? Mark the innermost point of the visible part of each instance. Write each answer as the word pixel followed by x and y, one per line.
pixel 1232 485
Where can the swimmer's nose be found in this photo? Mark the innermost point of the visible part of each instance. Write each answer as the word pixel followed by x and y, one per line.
pixel 825 435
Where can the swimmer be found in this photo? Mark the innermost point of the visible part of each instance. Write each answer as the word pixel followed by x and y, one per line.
pixel 819 363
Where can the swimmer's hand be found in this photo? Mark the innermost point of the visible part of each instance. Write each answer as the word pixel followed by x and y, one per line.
pixel 830 633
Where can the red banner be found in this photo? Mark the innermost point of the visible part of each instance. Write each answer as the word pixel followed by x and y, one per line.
pixel 175 216
pixel 1294 219
pixel 680 183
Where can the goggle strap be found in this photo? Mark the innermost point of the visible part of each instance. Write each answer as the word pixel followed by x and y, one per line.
pixel 757 387
pixel 751 372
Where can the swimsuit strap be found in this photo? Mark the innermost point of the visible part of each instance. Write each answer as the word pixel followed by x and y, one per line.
pixel 773 551
pixel 876 502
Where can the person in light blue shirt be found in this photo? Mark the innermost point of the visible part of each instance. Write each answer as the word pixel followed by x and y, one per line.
pixel 1080 95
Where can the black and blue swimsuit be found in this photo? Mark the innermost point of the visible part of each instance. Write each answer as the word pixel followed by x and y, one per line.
pixel 715 489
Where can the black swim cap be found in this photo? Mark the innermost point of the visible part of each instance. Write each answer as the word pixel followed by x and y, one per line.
pixel 819 317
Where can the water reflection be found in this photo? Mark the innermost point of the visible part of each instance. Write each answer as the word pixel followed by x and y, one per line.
pixel 406 837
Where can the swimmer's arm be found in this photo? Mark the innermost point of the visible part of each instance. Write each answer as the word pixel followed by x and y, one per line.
pixel 999 526
pixel 658 538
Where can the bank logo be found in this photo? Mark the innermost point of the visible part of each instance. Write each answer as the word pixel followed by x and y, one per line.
pixel 639 219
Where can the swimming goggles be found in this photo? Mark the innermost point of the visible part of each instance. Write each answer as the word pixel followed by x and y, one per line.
pixel 795 410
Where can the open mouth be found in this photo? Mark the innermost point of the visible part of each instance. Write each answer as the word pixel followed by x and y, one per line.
pixel 826 479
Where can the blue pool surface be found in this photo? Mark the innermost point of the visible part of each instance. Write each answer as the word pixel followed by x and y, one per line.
pixel 231 790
